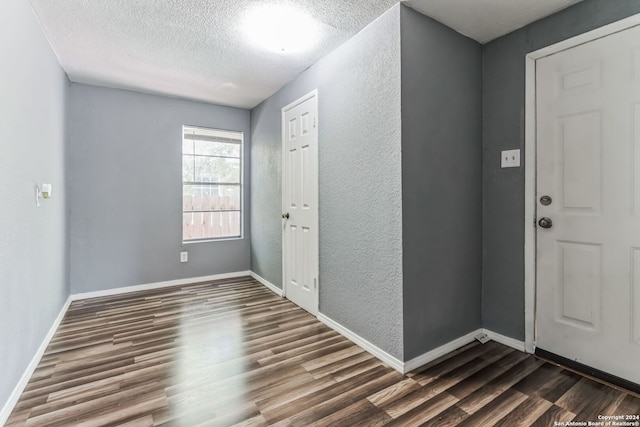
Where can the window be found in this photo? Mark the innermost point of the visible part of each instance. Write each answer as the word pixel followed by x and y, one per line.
pixel 211 184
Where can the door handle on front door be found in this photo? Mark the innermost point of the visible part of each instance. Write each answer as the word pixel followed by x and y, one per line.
pixel 285 215
pixel 545 222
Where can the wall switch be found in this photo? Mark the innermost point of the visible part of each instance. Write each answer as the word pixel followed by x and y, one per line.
pixel 184 256
pixel 510 159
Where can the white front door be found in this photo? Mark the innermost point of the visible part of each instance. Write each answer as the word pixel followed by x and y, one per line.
pixel 300 202
pixel 588 164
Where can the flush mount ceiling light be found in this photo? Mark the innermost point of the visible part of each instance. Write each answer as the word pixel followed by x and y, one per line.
pixel 281 28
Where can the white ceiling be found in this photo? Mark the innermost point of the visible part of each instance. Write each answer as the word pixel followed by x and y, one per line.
pixel 196 49
pixel 485 20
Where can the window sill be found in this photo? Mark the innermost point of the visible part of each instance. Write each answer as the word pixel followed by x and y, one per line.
pixel 222 239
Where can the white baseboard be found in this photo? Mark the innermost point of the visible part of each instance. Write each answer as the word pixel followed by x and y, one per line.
pixel 457 343
pixel 371 348
pixel 276 290
pixel 19 388
pixel 410 365
pixel 509 342
pixel 423 359
pixel 157 285
pixel 434 354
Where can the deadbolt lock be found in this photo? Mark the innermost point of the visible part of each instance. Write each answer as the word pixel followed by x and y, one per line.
pixel 545 200
pixel 285 215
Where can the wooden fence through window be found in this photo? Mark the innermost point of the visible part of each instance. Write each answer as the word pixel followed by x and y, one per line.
pixel 210 217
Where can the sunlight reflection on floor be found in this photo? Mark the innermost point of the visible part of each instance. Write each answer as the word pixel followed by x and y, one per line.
pixel 208 381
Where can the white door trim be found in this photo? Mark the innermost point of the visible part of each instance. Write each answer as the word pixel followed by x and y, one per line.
pixel 313 93
pixel 530 161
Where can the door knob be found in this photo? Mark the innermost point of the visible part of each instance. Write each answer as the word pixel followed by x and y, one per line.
pixel 285 215
pixel 545 222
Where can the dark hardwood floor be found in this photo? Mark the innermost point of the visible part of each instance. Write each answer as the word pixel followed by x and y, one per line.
pixel 232 353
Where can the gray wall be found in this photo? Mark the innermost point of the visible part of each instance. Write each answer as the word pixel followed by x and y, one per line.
pixel 266 182
pixel 360 182
pixel 503 109
pixel 33 243
pixel 441 183
pixel 126 192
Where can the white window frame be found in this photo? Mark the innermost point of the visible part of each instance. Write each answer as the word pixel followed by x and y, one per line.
pixel 240 184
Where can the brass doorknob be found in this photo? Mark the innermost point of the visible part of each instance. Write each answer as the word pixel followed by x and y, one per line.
pixel 285 215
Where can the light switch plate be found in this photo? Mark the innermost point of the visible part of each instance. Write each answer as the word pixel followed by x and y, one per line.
pixel 184 256
pixel 510 159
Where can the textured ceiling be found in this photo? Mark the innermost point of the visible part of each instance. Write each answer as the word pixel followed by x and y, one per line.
pixel 193 49
pixel 485 20
pixel 197 49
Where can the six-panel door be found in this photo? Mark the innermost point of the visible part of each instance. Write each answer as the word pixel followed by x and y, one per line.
pixel 588 162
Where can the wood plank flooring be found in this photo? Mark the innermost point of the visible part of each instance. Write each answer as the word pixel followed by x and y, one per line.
pixel 231 353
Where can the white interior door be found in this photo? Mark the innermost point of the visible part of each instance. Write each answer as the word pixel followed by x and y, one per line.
pixel 588 163
pixel 300 202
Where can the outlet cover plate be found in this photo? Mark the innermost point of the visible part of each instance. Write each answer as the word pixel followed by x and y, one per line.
pixel 483 338
pixel 184 256
pixel 510 159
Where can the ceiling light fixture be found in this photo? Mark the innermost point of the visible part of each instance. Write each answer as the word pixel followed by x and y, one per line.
pixel 281 28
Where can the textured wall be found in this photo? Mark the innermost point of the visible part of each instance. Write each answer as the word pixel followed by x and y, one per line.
pixel 503 109
pixel 360 182
pixel 266 181
pixel 126 190
pixel 33 243
pixel 441 183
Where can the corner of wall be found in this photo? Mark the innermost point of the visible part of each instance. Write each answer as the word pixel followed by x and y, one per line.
pixel 359 175
pixel 441 200
pixel 67 180
pixel 33 240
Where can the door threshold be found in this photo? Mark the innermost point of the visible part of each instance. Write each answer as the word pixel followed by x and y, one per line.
pixel 588 371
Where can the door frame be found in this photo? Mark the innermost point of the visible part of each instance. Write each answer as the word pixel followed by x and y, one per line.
pixel 312 94
pixel 530 161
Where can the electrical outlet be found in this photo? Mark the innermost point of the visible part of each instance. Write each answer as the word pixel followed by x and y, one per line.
pixel 510 159
pixel 184 256
pixel 483 338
